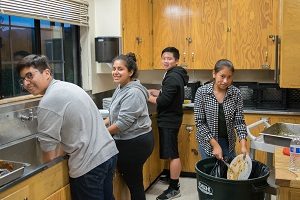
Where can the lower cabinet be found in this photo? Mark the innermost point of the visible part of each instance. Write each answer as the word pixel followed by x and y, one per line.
pixel 287 193
pixel 61 194
pixel 187 143
pixel 22 194
pixel 49 184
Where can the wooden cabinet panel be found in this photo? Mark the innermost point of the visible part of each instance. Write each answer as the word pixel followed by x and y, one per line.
pixel 62 194
pixel 290 43
pixel 170 28
pixel 286 193
pixel 252 22
pixel 137 31
pixel 187 143
pixel 22 194
pixel 208 32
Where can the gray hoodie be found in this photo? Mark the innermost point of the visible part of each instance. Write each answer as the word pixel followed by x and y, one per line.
pixel 129 111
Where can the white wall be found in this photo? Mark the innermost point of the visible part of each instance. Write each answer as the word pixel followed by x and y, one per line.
pixel 104 20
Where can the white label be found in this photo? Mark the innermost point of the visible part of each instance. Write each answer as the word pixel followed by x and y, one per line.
pixel 206 189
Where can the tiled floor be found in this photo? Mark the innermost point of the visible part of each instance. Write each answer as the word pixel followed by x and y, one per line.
pixel 188 189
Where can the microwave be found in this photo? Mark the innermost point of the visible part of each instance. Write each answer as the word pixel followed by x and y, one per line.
pixel 190 90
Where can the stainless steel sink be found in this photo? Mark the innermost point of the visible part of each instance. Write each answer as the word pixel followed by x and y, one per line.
pixel 26 150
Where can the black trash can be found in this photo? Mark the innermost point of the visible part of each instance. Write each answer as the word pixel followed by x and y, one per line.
pixel 214 188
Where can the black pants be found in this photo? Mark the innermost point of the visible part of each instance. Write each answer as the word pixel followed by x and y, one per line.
pixel 132 155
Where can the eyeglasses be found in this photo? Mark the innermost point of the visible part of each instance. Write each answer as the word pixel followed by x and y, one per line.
pixel 28 77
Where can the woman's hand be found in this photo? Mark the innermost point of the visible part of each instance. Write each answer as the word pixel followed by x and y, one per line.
pixel 217 150
pixel 244 149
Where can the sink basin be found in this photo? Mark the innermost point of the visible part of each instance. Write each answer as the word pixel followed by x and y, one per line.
pixel 25 151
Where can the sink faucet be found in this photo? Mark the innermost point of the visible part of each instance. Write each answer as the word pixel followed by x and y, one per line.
pixel 28 117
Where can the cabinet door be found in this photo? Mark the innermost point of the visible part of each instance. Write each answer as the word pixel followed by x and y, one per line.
pixel 62 194
pixel 188 147
pixel 22 194
pixel 155 163
pixel 290 44
pixel 252 22
pixel 137 31
pixel 170 28
pixel 208 26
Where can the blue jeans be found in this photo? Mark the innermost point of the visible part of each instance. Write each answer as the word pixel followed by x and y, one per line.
pixel 97 184
pixel 223 142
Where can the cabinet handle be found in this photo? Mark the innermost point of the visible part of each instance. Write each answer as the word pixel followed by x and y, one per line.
pixel 139 40
pixel 193 57
pixel 228 29
pixel 195 151
pixel 272 37
pixel 266 65
pixel 26 198
pixel 184 54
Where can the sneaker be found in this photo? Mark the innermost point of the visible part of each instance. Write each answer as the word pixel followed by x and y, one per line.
pixel 170 193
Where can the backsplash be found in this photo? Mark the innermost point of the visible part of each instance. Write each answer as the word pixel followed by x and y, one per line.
pixel 17 121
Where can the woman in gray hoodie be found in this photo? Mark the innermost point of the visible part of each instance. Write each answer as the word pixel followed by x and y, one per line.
pixel 130 124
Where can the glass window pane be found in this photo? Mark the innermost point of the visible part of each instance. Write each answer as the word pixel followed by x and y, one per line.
pixel 4 19
pixel 22 21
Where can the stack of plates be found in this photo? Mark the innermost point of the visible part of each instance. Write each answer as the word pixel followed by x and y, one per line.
pixel 106 103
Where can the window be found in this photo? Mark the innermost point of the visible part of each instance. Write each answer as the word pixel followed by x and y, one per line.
pixel 20 36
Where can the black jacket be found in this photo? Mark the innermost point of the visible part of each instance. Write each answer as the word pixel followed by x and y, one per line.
pixel 170 99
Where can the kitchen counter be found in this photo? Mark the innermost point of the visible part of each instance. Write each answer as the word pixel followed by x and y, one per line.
pixel 190 106
pixel 288 182
pixel 283 176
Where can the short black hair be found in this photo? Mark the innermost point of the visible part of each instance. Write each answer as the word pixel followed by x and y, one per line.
pixel 172 50
pixel 39 62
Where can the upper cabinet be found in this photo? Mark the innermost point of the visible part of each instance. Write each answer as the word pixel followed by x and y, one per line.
pixel 207 30
pixel 170 28
pixel 252 29
pixel 289 33
pixel 137 31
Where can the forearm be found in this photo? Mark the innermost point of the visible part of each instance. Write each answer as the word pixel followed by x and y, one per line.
pixel 50 155
pixel 113 129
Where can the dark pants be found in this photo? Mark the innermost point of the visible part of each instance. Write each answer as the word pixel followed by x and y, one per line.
pixel 96 184
pixel 223 142
pixel 133 154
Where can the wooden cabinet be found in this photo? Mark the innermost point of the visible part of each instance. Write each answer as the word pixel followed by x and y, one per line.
pixel 22 194
pixel 61 194
pixel 170 28
pixel 205 31
pixel 187 143
pixel 196 28
pixel 252 24
pixel 137 31
pixel 289 32
pixel 51 183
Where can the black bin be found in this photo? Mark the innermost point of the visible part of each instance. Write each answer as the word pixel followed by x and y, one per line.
pixel 214 188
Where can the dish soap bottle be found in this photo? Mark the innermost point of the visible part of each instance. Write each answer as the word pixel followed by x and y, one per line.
pixel 295 154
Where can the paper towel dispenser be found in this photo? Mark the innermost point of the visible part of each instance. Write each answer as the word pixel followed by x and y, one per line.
pixel 107 48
